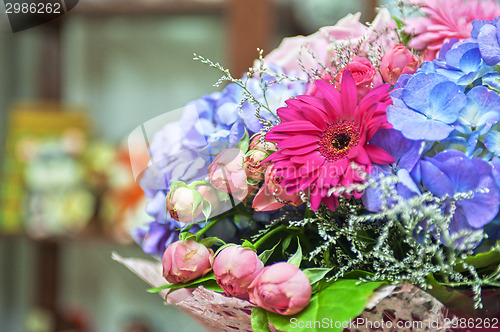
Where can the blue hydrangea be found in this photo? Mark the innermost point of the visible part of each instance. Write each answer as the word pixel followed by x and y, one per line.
pixel 487 35
pixel 426 107
pixel 275 96
pixel 406 153
pixel 480 113
pixel 462 63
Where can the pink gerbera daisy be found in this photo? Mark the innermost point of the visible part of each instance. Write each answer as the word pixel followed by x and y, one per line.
pixel 445 20
pixel 319 137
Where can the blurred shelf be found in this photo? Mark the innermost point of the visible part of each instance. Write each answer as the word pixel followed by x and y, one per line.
pixel 145 7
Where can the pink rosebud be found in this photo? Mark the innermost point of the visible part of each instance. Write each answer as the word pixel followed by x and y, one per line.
pixel 210 195
pixel 235 267
pixel 365 75
pixel 257 152
pixel 181 204
pixel 184 261
pixel 282 288
pixel 272 195
pixel 396 62
pixel 227 173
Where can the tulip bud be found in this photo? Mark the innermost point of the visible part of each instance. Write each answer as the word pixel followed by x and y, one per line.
pixel 183 205
pixel 257 152
pixel 226 173
pixel 396 62
pixel 235 267
pixel 282 288
pixel 184 261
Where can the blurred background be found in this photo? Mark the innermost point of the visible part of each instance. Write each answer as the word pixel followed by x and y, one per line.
pixel 70 93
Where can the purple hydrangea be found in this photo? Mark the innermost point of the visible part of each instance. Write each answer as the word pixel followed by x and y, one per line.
pixel 156 236
pixel 487 35
pixel 452 172
pixel 406 153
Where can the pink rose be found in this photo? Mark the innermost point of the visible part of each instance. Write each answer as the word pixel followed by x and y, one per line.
pixel 272 195
pixel 227 173
pixel 209 194
pixel 365 75
pixel 184 261
pixel 185 204
pixel 235 267
pixel 396 62
pixel 181 204
pixel 348 31
pixel 282 288
pixel 257 152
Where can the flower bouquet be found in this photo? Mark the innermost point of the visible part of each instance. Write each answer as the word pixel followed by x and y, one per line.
pixel 350 177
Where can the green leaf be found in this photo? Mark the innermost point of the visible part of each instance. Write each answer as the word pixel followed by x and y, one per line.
pixel 252 182
pixel 190 284
pixel 297 257
pixel 286 243
pixel 244 143
pixel 210 241
pixel 248 244
pixel 338 303
pixel 399 22
pixel 264 256
pixel 187 236
pixel 481 260
pixel 177 184
pixel 210 285
pixel 315 274
pixel 160 288
pixel 357 274
pixel 197 200
pixel 207 209
pixel 450 297
pixel 259 320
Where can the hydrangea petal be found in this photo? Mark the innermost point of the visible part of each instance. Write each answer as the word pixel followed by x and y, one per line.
pixel 446 102
pixel 489 45
pixel 492 142
pixel 416 126
pixel 435 180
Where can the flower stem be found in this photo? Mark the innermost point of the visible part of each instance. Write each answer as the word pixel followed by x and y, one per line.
pixel 213 222
pixel 268 235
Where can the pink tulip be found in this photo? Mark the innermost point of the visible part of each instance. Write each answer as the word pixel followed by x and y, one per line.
pixel 227 173
pixel 235 268
pixel 181 204
pixel 272 196
pixel 257 152
pixel 184 261
pixel 282 288
pixel 396 62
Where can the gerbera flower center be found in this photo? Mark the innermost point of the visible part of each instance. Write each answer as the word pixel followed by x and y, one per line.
pixel 338 139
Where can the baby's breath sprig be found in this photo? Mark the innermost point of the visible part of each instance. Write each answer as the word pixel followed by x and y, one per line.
pixel 406 241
